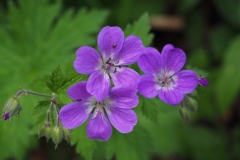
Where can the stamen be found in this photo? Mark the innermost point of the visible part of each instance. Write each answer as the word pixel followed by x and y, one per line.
pixel 108 60
pixel 114 45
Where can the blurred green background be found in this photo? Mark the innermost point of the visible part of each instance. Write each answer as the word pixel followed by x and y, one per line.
pixel 38 35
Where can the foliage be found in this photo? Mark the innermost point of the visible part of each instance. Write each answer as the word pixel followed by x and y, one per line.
pixel 230 71
pixel 59 85
pixel 141 29
pixel 35 37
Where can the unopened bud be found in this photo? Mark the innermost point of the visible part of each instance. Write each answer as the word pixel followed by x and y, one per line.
pixel 41 130
pixel 203 82
pixel 12 107
pixel 57 135
pixel 184 113
pixel 190 104
pixel 66 134
pixel 48 132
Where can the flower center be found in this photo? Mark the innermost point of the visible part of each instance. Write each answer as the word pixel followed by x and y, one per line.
pixel 110 66
pixel 166 79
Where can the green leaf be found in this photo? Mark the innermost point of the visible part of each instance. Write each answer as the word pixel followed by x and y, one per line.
pixel 235 134
pixel 41 107
pixel 202 142
pixel 35 37
pixel 55 80
pixel 195 29
pixel 220 40
pixel 152 107
pixel 149 109
pixel 135 145
pixel 228 81
pixel 85 146
pixel 187 5
pixel 59 85
pixel 140 28
pixel 66 83
pixel 230 10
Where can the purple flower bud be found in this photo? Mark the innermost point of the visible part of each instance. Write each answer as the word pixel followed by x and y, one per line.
pixel 203 81
pixel 6 116
pixel 12 107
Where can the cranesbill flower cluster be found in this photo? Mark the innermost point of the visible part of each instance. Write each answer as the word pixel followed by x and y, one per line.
pixel 96 98
pixel 110 93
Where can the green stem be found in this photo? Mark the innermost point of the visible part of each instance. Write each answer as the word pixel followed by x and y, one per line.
pixel 48 115
pixel 32 93
pixel 57 114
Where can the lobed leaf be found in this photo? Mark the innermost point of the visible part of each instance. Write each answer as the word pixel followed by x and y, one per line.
pixel 140 28
pixel 59 85
pixel 85 146
pixel 149 109
pixel 134 145
pixel 36 36
pixel 40 107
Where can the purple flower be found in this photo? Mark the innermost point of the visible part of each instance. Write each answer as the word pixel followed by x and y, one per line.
pixel 163 76
pixel 115 53
pixel 203 81
pixel 115 109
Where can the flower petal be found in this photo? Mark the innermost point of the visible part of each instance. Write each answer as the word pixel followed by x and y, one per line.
pixel 131 50
pixel 99 127
pixel 98 85
pixel 167 48
pixel 187 81
pixel 151 61
pixel 78 91
pixel 174 58
pixel 110 40
pixel 74 114
pixel 172 97
pixel 124 77
pixel 124 97
pixel 122 119
pixel 147 86
pixel 87 60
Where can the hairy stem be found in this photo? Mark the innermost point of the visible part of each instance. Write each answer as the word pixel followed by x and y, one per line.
pixel 19 93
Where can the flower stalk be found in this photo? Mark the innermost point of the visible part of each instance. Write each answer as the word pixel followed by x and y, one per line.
pixel 19 93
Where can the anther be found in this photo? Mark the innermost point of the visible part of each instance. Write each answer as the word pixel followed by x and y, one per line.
pixel 114 45
pixel 115 70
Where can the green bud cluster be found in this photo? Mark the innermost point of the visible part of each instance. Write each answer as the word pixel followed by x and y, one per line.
pixel 57 133
pixel 188 105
